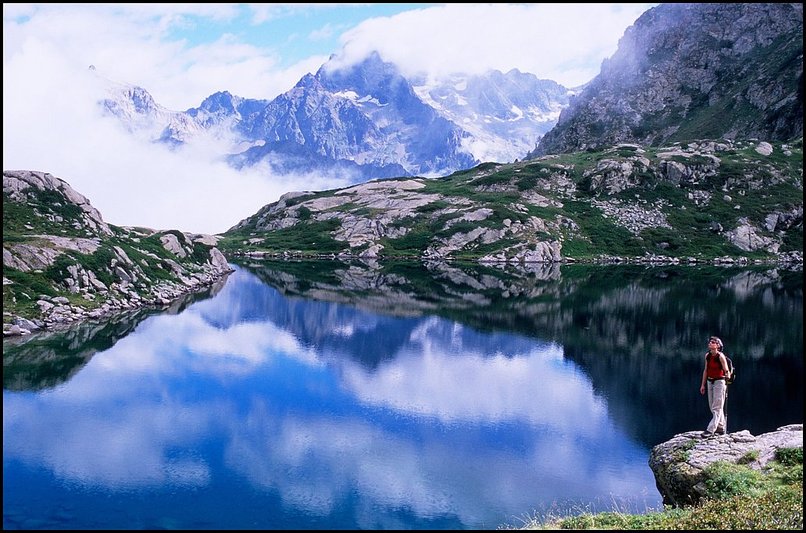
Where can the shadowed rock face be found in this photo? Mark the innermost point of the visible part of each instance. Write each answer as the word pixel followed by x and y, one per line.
pixel 686 71
pixel 679 463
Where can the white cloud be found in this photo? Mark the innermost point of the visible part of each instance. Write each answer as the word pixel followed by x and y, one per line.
pixel 322 33
pixel 51 122
pixel 424 379
pixel 562 42
pixel 134 46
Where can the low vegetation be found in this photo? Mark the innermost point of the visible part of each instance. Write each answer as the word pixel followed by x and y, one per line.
pixel 60 256
pixel 738 498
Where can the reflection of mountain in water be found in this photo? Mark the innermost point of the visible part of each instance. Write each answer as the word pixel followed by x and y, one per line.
pixel 621 309
pixel 639 332
pixel 45 360
pixel 369 328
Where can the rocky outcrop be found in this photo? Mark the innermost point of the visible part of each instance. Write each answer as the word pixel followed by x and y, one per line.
pixel 22 185
pixel 62 263
pixel 692 71
pixel 679 463
pixel 701 196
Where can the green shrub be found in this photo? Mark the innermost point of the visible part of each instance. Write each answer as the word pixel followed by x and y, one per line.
pixel 739 498
pixel 748 458
pixel 724 480
pixel 789 456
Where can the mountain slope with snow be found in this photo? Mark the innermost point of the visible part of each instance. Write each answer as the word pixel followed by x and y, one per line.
pixel 364 120
pixel 505 114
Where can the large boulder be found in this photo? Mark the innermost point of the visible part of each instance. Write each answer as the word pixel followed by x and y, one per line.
pixel 679 463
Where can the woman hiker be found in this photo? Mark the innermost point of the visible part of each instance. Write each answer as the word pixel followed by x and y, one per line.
pixel 713 377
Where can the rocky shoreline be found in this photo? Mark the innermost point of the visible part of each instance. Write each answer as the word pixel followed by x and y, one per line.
pixel 58 312
pixel 786 259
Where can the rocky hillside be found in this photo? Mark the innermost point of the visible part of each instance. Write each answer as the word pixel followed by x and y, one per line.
pixel 691 71
pixel 682 202
pixel 62 262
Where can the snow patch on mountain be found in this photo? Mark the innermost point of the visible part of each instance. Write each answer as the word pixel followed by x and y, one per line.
pixel 505 115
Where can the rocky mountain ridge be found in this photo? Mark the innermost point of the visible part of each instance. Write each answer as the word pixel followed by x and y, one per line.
pixel 692 71
pixel 62 262
pixel 365 120
pixel 710 200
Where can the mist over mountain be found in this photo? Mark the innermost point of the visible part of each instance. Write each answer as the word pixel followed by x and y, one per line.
pixel 505 114
pixel 365 119
pixel 693 71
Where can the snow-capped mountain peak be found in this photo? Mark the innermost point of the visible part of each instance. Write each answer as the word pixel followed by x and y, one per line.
pixel 366 118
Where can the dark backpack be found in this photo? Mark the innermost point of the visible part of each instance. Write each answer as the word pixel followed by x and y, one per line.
pixel 732 377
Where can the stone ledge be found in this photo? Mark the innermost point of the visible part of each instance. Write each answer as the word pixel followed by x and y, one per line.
pixel 678 463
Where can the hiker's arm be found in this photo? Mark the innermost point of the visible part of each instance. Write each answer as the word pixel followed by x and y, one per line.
pixel 704 375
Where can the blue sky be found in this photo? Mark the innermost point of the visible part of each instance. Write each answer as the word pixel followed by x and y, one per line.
pixel 183 53
pixel 294 32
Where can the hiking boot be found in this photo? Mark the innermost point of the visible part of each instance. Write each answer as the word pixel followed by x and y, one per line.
pixel 706 434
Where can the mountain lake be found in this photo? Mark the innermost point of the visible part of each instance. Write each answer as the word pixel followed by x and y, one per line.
pixel 392 395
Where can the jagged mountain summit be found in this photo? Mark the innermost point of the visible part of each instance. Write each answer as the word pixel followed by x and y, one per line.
pixel 218 118
pixel 366 119
pixel 693 71
pixel 368 114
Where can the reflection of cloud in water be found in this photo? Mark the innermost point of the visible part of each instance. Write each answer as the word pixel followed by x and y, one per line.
pixel 313 463
pixel 428 378
pixel 116 446
pixel 134 404
pixel 237 350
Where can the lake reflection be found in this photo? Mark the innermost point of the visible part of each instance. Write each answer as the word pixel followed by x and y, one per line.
pixel 323 395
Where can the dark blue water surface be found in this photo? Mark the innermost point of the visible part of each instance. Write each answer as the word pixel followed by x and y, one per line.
pixel 324 395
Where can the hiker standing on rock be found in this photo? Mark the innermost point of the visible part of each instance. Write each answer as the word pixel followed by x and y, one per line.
pixel 714 378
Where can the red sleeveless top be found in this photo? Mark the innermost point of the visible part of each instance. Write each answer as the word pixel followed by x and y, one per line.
pixel 714 367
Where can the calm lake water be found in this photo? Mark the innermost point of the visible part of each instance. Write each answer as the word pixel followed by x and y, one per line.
pixel 323 395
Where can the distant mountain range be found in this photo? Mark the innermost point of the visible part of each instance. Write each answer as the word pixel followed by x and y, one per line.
pixel 366 119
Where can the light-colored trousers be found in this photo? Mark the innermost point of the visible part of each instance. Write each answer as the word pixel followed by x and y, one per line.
pixel 717 392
